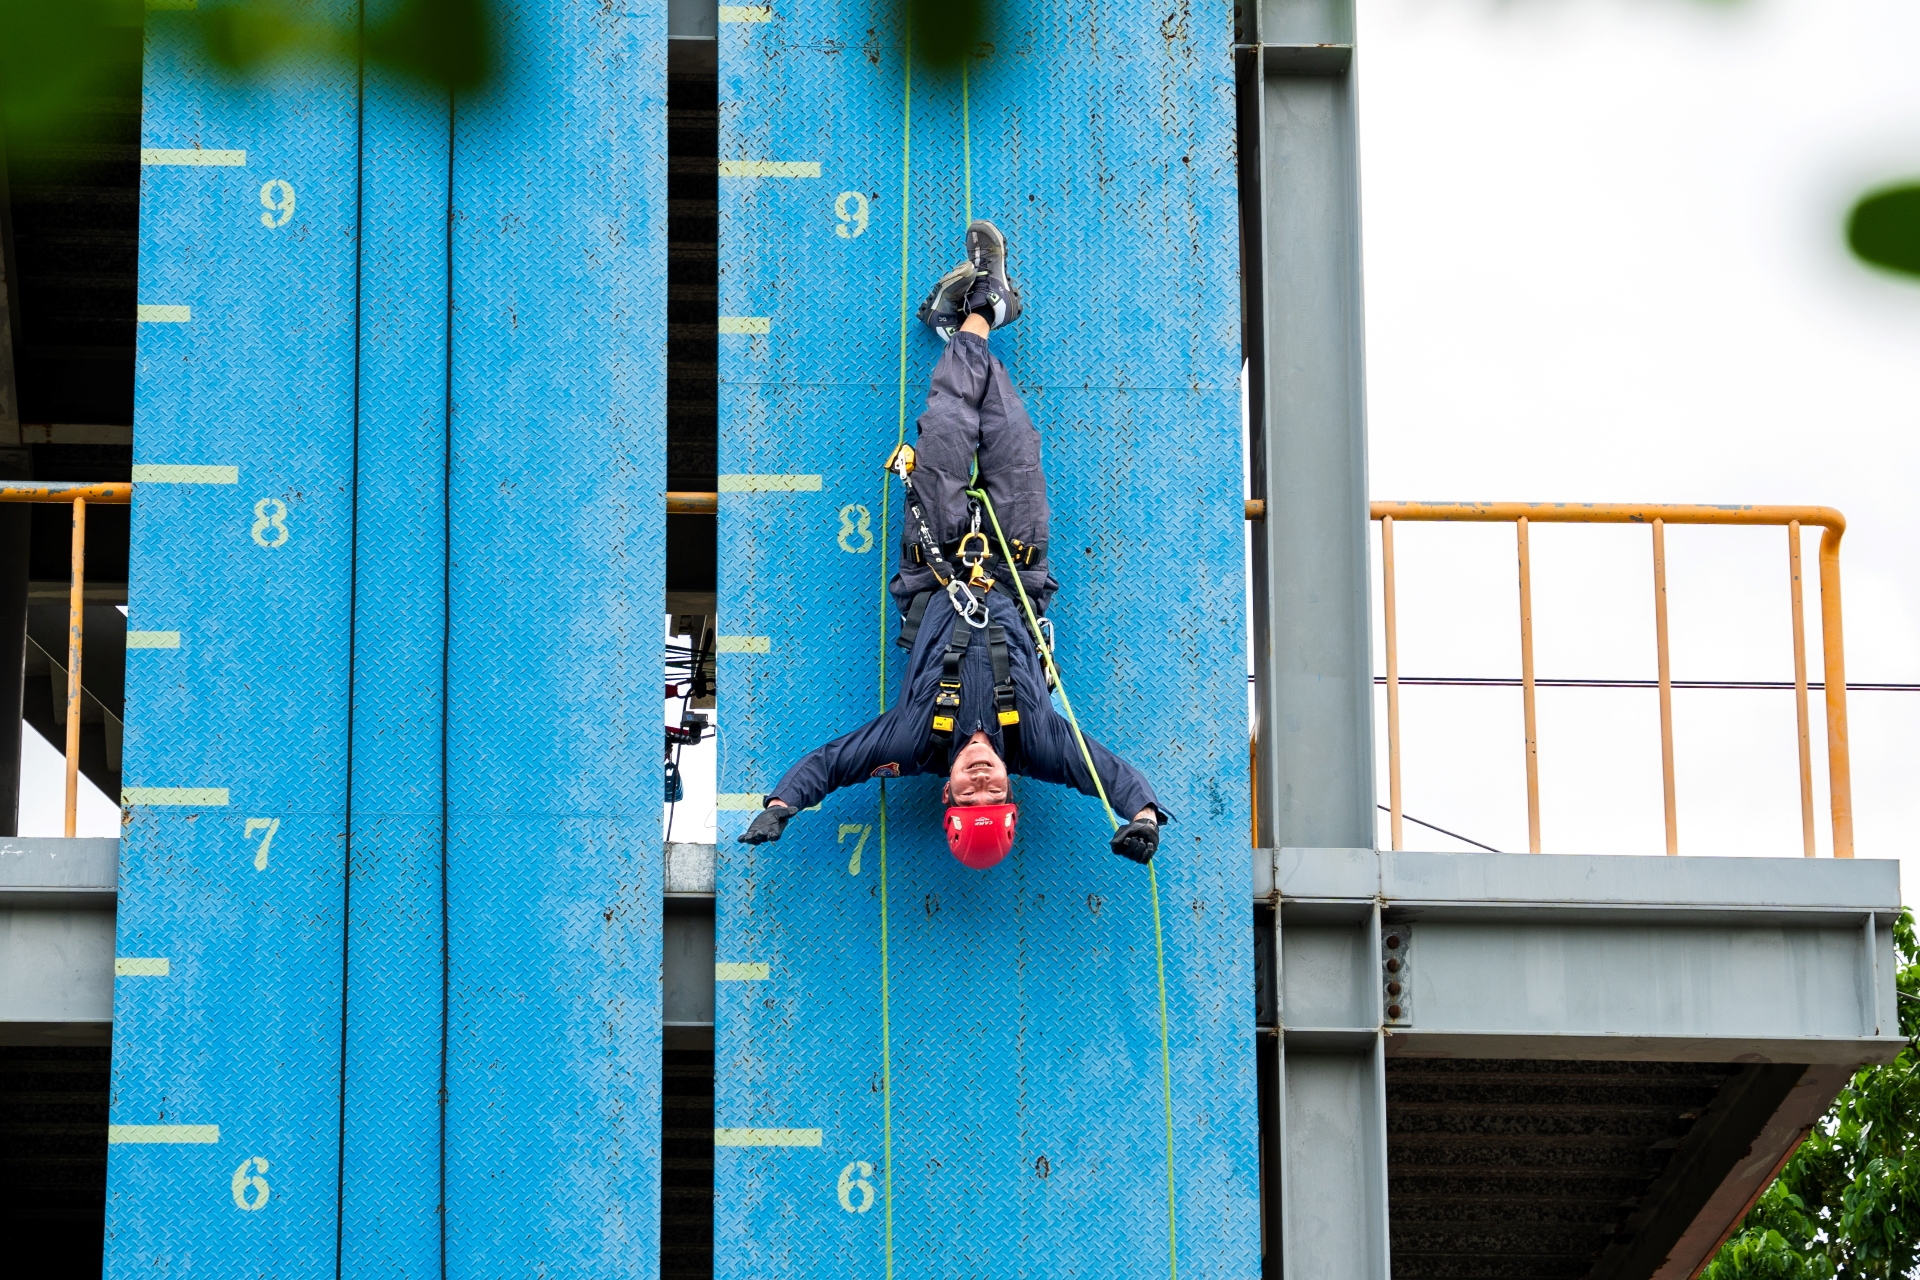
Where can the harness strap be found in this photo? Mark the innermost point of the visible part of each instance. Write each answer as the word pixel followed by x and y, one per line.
pixel 946 702
pixel 1006 707
pixel 1025 554
pixel 911 619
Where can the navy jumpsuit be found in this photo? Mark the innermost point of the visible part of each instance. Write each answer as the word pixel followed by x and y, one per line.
pixel 972 410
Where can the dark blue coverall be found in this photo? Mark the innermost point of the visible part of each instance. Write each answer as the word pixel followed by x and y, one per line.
pixel 972 410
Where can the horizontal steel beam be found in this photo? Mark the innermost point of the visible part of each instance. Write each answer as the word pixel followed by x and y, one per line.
pixel 1602 958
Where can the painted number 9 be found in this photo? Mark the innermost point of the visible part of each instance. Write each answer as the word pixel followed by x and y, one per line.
pixel 851 208
pixel 850 1187
pixel 856 531
pixel 250 1190
pixel 276 197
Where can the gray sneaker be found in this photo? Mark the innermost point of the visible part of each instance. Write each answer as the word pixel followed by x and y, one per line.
pixel 993 290
pixel 945 309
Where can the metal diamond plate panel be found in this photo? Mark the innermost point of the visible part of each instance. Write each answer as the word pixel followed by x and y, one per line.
pixel 1018 1026
pixel 329 569
pixel 226 1075
pixel 557 581
pixel 390 1154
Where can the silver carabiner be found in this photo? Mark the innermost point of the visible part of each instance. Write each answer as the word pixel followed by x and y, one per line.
pixel 965 604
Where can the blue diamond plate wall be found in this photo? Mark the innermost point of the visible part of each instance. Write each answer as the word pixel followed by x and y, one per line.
pixel 997 1032
pixel 392 778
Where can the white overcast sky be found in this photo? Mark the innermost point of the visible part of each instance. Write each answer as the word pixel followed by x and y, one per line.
pixel 1604 262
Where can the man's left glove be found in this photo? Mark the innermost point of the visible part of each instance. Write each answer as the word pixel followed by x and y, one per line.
pixel 1137 840
pixel 767 825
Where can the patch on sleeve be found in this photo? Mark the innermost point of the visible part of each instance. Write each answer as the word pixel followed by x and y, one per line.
pixel 890 769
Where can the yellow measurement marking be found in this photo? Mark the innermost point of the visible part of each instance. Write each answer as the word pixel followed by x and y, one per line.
pixel 172 1133
pixel 746 324
pixel 194 156
pixel 162 313
pixel 739 971
pixel 743 644
pixel 769 168
pixel 766 1137
pixel 769 484
pixel 183 473
pixel 153 639
pixel 140 967
pixel 746 13
pixel 214 796
pixel 737 801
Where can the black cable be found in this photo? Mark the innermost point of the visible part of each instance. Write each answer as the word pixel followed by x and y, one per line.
pixel 1514 682
pixel 1442 830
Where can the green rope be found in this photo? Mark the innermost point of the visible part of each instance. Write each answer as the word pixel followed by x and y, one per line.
pixel 886 540
pixel 1153 881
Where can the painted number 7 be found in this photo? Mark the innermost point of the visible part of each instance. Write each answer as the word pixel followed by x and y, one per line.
pixel 268 825
pixel 854 828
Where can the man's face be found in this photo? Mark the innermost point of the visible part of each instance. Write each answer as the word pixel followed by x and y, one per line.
pixel 978 776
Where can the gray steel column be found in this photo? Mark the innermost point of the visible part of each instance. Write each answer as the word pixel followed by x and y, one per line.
pixel 1308 401
pixel 1301 240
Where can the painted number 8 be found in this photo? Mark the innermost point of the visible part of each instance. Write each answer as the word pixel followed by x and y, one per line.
pixel 850 1186
pixel 250 1190
pixel 856 534
pixel 270 522
pixel 276 197
pixel 851 208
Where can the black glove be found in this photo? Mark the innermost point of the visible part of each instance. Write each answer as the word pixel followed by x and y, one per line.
pixel 767 825
pixel 1137 840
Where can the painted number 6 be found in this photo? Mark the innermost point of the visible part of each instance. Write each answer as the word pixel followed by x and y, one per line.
pixel 276 197
pixel 250 1190
pixel 850 1186
pixel 851 208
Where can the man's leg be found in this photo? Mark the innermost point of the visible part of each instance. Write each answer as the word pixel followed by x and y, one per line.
pixel 1011 473
pixel 949 434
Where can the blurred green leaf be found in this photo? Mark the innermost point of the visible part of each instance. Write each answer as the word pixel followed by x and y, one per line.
pixel 1884 228
pixel 448 43
pixel 56 54
pixel 946 32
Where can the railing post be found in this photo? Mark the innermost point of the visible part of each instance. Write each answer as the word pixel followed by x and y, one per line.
pixel 1800 686
pixel 1526 687
pixel 76 618
pixel 1666 682
pixel 1393 681
pixel 1833 659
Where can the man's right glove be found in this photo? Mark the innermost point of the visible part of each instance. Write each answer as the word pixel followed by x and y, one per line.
pixel 767 825
pixel 1137 840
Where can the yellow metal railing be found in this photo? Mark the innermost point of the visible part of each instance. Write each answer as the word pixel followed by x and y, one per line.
pixel 1523 514
pixel 79 495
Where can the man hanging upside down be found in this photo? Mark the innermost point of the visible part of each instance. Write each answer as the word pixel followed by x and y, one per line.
pixel 974 702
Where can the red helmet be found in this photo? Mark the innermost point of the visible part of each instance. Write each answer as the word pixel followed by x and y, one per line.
pixel 980 834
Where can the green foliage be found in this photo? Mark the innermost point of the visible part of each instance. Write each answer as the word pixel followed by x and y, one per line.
pixel 58 55
pixel 946 32
pixel 1848 1204
pixel 1884 228
pixel 447 44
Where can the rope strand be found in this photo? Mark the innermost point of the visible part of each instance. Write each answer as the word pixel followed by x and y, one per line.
pixel 1153 880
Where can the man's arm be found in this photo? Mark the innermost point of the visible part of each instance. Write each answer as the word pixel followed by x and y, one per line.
pixel 1054 756
pixel 850 758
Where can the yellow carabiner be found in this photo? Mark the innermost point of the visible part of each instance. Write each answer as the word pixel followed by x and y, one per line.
pixel 901 460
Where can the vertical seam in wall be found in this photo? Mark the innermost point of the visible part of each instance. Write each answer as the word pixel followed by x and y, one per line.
pixel 446 664
pixel 353 615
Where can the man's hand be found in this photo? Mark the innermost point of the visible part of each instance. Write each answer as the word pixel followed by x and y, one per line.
pixel 767 824
pixel 1138 839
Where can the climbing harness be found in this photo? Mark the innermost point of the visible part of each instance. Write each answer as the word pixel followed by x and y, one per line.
pixel 969 606
pixel 946 701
